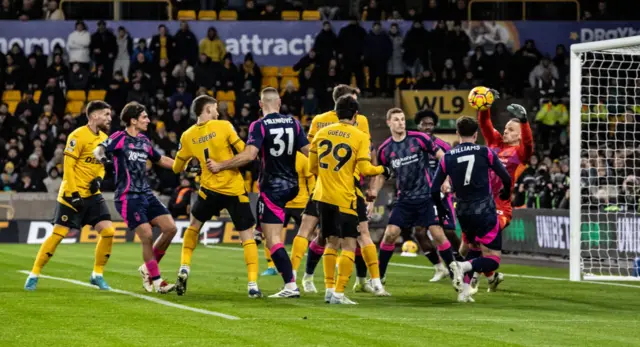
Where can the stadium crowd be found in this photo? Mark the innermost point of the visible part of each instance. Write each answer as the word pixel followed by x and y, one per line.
pixel 174 68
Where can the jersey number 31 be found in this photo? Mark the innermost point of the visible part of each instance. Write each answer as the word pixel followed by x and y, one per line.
pixel 280 142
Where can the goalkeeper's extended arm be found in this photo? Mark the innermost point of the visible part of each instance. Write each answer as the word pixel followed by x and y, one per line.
pixel 490 134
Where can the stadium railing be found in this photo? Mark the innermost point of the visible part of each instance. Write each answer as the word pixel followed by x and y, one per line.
pixel 116 5
pixel 524 7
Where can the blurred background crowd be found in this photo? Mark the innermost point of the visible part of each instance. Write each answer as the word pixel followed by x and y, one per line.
pixel 43 94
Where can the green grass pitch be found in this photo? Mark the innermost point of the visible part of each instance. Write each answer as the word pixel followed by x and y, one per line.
pixel 525 312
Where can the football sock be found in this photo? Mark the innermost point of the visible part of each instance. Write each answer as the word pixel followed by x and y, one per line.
pixel 298 249
pixel 189 243
pixel 282 262
pixel 103 249
pixel 267 255
pixel 250 249
pixel 433 257
pixel 48 248
pixel 445 252
pixel 345 268
pixel 370 256
pixel 361 265
pixel 329 264
pixel 314 254
pixel 158 254
pixel 154 271
pixel 485 264
pixel 473 253
pixel 386 251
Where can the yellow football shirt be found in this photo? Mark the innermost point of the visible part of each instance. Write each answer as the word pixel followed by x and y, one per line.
pixel 215 139
pixel 80 146
pixel 306 181
pixel 322 120
pixel 336 153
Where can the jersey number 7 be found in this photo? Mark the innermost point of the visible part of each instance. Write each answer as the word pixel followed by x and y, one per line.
pixel 470 159
pixel 341 159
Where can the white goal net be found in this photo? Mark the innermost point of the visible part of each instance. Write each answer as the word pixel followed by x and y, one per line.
pixel 605 160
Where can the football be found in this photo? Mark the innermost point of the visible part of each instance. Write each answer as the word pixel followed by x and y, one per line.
pixel 409 249
pixel 481 98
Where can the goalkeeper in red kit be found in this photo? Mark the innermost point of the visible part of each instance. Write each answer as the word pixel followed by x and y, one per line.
pixel 514 149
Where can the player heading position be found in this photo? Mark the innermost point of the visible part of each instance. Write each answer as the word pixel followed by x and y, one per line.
pixel 134 198
pixel 79 199
pixel 276 138
pixel 406 153
pixel 427 120
pixel 468 166
pixel 336 151
pixel 215 139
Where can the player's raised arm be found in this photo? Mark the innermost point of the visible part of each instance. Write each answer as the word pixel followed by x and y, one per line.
pixel 490 134
pixel 497 167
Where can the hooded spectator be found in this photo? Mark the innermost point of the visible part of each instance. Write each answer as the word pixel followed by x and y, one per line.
pixel 524 60
pixel 416 49
pixel 250 71
pixel 439 45
pixel 325 44
pixel 125 50
pixel 99 79
pixel 57 50
pixel 34 74
pixel 53 181
pixel 351 50
pixel 432 11
pixel 459 43
pixel 116 96
pixel 186 44
pixel 58 70
pixel 162 45
pixel 377 51
pixel 41 58
pixel 213 46
pixel 78 44
pixel 51 89
pixel 78 78
pixel 53 12
pixel 561 60
pixel 395 67
pixel 181 95
pixel 104 47
pixel 18 55
pixel 13 73
pixel 204 72
pixel 250 11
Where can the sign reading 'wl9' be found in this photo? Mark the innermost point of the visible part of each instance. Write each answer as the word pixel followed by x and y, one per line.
pixel 449 105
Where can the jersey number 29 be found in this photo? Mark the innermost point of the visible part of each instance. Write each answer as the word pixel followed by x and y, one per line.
pixel 280 142
pixel 341 159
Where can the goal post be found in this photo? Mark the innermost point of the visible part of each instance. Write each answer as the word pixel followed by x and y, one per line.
pixel 604 82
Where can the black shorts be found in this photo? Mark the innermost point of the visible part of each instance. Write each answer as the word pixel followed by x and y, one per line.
pixel 295 213
pixel 361 208
pixel 210 203
pixel 94 211
pixel 336 223
pixel 312 208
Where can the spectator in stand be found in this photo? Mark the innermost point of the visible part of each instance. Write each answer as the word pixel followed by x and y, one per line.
pixel 432 11
pixel 310 103
pixel 325 44
pixel 449 76
pixel 291 100
pixel 329 10
pixel 12 73
pixel 308 62
pixel 184 72
pixel 28 104
pixel 186 44
pixel 9 177
pixel 34 74
pixel 459 11
pixel 18 55
pixel 468 81
pixel 372 11
pixel 427 81
pixel 250 71
pixel 480 65
pixel 524 60
pixel 78 78
pixel 7 123
pixel 162 45
pixel 180 97
pixel 58 70
pixel 141 48
pixel 78 44
pixel 124 43
pixel 104 47
pixel 600 13
pixel 439 45
pixel 58 101
pixel 248 97
pixel 41 58
pixel 141 64
pixel 7 11
pixel 138 94
pixel 30 11
pixel 116 96
pixel 307 81
pixel 351 50
pixel 270 12
pixel 501 60
pixel 244 119
pixel 561 62
pixel 180 202
pixel 53 181
pixel 213 46
pixel 35 170
pixel 250 11
pixel 57 50
pixel 416 49
pixel 57 161
pixel 538 72
pixel 99 79
pixel 13 155
pixel 53 12
pixel 204 73
pixel 377 51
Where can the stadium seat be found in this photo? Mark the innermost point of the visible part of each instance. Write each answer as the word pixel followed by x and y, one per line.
pixel 228 15
pixel 36 95
pixel 186 15
pixel 269 82
pixel 287 71
pixel 310 15
pixel 96 95
pixel 231 107
pixel 12 105
pixel 76 95
pixel 269 71
pixel 221 95
pixel 11 95
pixel 285 80
pixel 207 15
pixel 210 92
pixel 74 107
pixel 290 15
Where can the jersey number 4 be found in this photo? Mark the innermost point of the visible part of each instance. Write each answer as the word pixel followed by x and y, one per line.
pixel 341 159
pixel 470 159
pixel 280 142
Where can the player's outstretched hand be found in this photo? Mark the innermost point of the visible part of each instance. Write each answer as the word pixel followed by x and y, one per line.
pixel 496 94
pixel 388 173
pixel 95 185
pixel 76 201
pixel 446 187
pixel 518 111
pixel 505 194
pixel 213 166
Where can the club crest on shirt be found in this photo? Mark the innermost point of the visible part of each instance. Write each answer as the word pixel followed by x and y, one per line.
pixel 72 146
pixel 131 146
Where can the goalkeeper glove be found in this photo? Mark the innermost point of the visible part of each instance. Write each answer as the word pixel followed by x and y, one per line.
pixel 76 201
pixel 496 93
pixel 505 194
pixel 106 160
pixel 518 111
pixel 388 173
pixel 95 185
pixel 195 170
